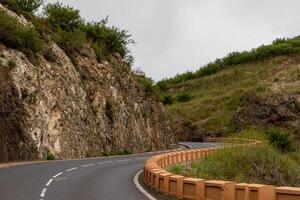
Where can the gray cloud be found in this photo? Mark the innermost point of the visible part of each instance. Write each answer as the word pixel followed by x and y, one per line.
pixel 174 36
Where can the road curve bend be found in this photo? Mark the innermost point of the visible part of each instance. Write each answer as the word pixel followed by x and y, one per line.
pixel 109 178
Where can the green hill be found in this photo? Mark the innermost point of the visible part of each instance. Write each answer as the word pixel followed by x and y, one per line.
pixel 253 90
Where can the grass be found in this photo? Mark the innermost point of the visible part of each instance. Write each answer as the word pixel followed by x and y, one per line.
pixel 217 97
pixel 261 164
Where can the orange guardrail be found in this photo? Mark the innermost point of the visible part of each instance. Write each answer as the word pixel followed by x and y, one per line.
pixel 183 187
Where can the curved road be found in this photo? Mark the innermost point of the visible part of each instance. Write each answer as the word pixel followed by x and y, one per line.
pixel 108 178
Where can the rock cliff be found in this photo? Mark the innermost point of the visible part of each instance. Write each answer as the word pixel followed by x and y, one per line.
pixel 74 110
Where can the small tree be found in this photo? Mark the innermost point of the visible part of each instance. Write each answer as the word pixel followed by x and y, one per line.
pixel 29 5
pixel 64 17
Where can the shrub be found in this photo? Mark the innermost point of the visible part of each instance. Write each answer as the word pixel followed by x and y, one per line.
pixel 15 35
pixel 50 156
pixel 167 100
pixel 184 97
pixel 107 40
pixel 29 5
pixel 63 17
pixel 70 42
pixel 280 140
pixel 148 86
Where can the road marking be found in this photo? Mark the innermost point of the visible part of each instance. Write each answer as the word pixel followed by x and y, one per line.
pixel 72 169
pixel 138 185
pixel 43 192
pixel 124 160
pixel 106 162
pixel 60 173
pixel 49 182
pixel 140 158
pixel 88 165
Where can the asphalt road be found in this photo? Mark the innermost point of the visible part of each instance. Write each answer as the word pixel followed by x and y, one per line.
pixel 108 178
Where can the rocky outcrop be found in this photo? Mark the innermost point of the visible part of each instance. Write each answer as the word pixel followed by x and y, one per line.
pixel 76 108
pixel 281 111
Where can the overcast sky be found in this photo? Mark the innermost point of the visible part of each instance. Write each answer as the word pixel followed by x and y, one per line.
pixel 174 36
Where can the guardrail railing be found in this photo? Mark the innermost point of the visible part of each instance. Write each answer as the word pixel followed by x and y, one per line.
pixel 179 186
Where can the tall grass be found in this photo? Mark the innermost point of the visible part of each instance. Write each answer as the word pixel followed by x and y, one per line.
pixel 261 164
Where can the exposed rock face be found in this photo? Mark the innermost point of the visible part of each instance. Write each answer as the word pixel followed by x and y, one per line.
pixel 77 110
pixel 274 110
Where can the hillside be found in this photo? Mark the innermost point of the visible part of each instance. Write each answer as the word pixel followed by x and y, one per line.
pixel 67 89
pixel 249 98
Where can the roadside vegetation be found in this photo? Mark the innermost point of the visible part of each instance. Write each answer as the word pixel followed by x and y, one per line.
pixel 65 26
pixel 275 162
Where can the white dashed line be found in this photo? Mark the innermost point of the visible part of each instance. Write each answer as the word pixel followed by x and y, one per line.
pixel 57 174
pixel 100 163
pixel 43 192
pixel 124 160
pixel 68 170
pixel 88 165
pixel 49 182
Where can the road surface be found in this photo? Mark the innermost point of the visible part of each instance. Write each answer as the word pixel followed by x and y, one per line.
pixel 109 178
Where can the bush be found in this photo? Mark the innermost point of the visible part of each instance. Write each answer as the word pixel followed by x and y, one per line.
pixel 15 35
pixel 107 40
pixel 184 97
pixel 29 5
pixel 167 100
pixel 280 140
pixel 261 164
pixel 148 86
pixel 63 17
pixel 50 156
pixel 70 42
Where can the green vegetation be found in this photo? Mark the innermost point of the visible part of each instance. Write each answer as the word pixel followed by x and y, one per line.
pixel 107 40
pixel 66 27
pixel 29 5
pixel 183 97
pixel 261 164
pixel 167 99
pixel 20 6
pixel 216 98
pixel 148 86
pixel 120 152
pixel 15 35
pixel 11 63
pixel 50 156
pixel 64 17
pixel 110 110
pixel 279 47
pixel 72 33
pixel 176 169
pixel 280 140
